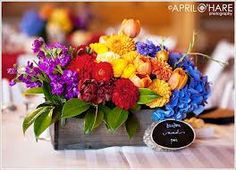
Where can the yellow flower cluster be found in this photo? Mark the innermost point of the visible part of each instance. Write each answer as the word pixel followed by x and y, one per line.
pixel 120 44
pixel 163 89
pixel 99 48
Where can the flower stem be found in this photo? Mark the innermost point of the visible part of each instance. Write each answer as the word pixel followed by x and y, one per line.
pixel 208 57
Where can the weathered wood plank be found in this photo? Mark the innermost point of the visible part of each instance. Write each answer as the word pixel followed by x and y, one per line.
pixel 71 135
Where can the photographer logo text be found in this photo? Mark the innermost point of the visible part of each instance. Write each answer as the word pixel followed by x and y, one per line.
pixel 221 9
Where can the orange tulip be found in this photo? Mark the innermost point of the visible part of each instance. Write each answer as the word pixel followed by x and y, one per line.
pixel 178 79
pixel 130 27
pixel 141 82
pixel 143 65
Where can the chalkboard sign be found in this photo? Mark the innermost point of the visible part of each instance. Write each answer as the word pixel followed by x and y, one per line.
pixel 172 134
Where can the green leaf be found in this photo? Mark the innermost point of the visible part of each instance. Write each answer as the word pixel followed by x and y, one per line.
pixel 89 121
pixel 47 91
pixel 99 119
pixel 74 107
pixel 42 122
pixel 147 96
pixel 93 119
pixel 131 125
pixel 56 100
pixel 46 103
pixel 30 117
pixel 116 118
pixel 33 91
pixel 106 110
pixel 146 91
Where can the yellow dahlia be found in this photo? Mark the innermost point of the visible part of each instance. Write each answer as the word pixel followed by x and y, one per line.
pixel 118 66
pixel 107 57
pixel 99 48
pixel 162 70
pixel 163 89
pixel 130 56
pixel 120 44
pixel 129 71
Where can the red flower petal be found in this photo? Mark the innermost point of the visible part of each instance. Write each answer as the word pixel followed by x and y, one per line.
pixel 125 94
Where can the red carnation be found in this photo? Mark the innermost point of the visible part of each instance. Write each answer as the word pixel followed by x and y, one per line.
pixel 125 94
pixel 103 71
pixel 83 65
pixel 96 92
pixel 88 90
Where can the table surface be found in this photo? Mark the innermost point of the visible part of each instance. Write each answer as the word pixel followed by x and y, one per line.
pixel 19 151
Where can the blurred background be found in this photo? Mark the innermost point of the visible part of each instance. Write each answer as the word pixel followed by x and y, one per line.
pixel 83 22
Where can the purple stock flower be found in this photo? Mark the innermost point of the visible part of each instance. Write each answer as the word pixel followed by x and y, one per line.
pixel 65 84
pixel 37 44
pixel 12 82
pixel 71 80
pixel 47 65
pixel 29 81
pixel 57 86
pixel 53 60
pixel 64 59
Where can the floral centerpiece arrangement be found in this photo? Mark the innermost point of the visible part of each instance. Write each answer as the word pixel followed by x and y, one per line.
pixel 55 24
pixel 108 81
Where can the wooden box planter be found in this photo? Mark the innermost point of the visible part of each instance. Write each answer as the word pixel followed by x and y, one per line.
pixel 71 136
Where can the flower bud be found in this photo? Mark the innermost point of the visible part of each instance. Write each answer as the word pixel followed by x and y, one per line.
pixel 178 79
pixel 162 55
pixel 130 27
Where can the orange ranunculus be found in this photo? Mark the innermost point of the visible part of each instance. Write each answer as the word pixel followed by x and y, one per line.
pixel 143 65
pixel 141 82
pixel 178 79
pixel 130 27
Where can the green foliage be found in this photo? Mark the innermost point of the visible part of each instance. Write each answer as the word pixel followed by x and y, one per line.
pixel 131 125
pixel 116 117
pixel 42 122
pixel 33 91
pixel 74 107
pixel 147 96
pixel 93 119
pixel 30 117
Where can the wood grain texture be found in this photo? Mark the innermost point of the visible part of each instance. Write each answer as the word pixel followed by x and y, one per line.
pixel 71 136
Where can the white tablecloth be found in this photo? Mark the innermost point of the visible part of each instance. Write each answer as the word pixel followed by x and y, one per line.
pixel 21 151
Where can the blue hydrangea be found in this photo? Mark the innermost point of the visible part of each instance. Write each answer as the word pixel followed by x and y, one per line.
pixel 31 23
pixel 191 98
pixel 147 49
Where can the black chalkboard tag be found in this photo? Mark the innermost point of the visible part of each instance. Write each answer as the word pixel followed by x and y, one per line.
pixel 170 134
